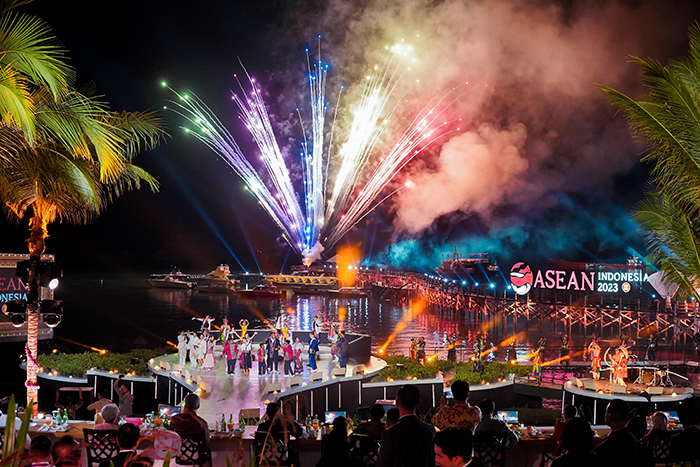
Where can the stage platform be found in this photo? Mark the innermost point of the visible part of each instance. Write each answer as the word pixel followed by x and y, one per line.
pixel 631 392
pixel 225 394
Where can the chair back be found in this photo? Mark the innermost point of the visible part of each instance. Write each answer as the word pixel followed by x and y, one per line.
pixel 192 451
pixel 365 448
pixel 2 441
pixel 490 448
pixel 659 444
pixel 269 451
pixel 100 445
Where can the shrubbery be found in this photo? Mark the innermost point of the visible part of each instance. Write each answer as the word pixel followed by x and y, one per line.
pixel 78 364
pixel 492 371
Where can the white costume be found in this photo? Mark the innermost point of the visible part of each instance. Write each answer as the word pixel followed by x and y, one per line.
pixel 193 346
pixel 182 348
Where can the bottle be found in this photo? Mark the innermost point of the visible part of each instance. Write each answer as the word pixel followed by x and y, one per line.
pixel 222 425
pixel 241 423
pixel 315 423
pixel 230 423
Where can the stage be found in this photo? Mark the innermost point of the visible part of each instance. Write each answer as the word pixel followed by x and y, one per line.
pixel 225 394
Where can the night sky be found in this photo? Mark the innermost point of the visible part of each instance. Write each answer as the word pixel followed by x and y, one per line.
pixel 566 193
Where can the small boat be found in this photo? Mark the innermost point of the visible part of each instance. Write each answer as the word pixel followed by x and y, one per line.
pixel 348 292
pixel 310 290
pixel 261 291
pixel 173 280
pixel 214 287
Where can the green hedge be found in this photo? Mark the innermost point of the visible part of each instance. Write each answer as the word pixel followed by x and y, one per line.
pixel 78 364
pixel 492 371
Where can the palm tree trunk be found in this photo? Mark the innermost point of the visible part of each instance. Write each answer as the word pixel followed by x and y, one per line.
pixel 36 248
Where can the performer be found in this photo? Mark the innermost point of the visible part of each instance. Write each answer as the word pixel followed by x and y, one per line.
pixel 651 350
pixel 244 328
pixel 452 348
pixel 273 353
pixel 511 354
pixel 317 325
pixel 182 348
pixel 246 349
pixel 594 349
pixel 298 349
pixel 564 348
pixel 413 351
pixel 541 344
pixel 209 362
pixel 333 339
pixel 421 349
pixel 201 350
pixel 262 365
pixel 537 365
pixel 206 323
pixel 284 330
pixel 288 353
pixel 193 346
pixel 313 350
pixel 225 330
pixel 231 353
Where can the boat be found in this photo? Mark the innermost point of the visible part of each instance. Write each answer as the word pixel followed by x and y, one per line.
pixel 309 290
pixel 295 280
pixel 348 292
pixel 220 287
pixel 220 275
pixel 172 280
pixel 261 291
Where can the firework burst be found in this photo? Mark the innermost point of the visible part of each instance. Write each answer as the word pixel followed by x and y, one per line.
pixel 328 208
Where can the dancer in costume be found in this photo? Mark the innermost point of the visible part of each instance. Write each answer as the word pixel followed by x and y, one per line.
pixel 182 347
pixel 225 330
pixel 317 325
pixel 537 365
pixel 262 365
pixel 413 349
pixel 244 328
pixel 421 349
pixel 564 353
pixel 246 362
pixel 209 362
pixel 619 365
pixel 206 323
pixel 201 350
pixel 230 352
pixel 193 347
pixel 333 339
pixel 452 348
pixel 594 349
pixel 651 350
pixel 298 349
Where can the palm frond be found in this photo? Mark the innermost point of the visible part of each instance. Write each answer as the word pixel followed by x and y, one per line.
pixel 16 105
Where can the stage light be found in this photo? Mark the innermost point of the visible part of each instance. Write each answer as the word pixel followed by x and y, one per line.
pixel 464 282
pixel 492 286
pixel 476 284
pixel 510 288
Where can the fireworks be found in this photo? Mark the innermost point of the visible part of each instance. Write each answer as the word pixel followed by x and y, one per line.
pixel 328 210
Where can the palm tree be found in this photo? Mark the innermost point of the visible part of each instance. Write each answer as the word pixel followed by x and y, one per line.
pixel 61 176
pixel 668 120
pixel 30 56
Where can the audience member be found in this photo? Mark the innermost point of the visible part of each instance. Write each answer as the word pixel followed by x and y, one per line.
pixel 453 448
pixel 392 417
pixel 659 427
pixel 128 436
pixel 577 441
pixel 570 411
pixel 126 400
pixel 110 415
pixel 65 452
pixel 621 448
pixel 40 451
pixel 101 401
pixel 66 403
pixel 374 427
pixel 277 423
pixel 462 415
pixel 637 425
pixel 409 443
pixel 491 424
pixel 684 445
pixel 335 449
pixel 188 421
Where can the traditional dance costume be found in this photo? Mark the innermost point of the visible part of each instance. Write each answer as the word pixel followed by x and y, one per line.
pixel 193 346
pixel 262 366
pixel 209 362
pixel 537 366
pixel 182 349
pixel 298 349
pixel 246 349
pixel 413 351
pixel 333 339
pixel 594 350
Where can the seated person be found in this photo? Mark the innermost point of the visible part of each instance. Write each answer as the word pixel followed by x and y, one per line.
pixel 164 442
pixel 570 411
pixel 577 441
pixel 188 421
pixel 40 451
pixel 462 415
pixel 659 428
pixel 277 423
pixel 374 427
pixel 684 445
pixel 335 449
pixel 127 437
pixel 489 423
pixel 637 425
pixel 65 452
pixel 4 405
pixel 392 417
pixel 110 415
pixel 66 403
pixel 621 447
pixel 454 448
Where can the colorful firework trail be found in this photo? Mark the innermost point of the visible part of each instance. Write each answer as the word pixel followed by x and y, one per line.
pixel 324 214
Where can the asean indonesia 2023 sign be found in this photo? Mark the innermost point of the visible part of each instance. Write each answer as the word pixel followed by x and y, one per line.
pixel 524 279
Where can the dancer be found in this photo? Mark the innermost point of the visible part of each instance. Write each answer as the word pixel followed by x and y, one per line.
pixel 619 365
pixel 182 348
pixel 206 323
pixel 201 350
pixel 313 349
pixel 225 330
pixel 537 365
pixel 594 349
pixel 452 348
pixel 317 325
pixel 244 328
pixel 209 362
pixel 421 349
pixel 298 349
pixel 273 353
pixel 343 347
pixel 564 353
pixel 288 353
pixel 231 353
pixel 333 340
pixel 262 366
pixel 193 346
pixel 246 349
pixel 413 350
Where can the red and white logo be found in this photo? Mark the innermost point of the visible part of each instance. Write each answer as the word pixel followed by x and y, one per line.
pixel 521 278
pixel 626 287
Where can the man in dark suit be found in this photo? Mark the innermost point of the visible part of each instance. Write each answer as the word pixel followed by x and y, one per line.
pixel 409 443
pixel 684 445
pixel 127 436
pixel 621 448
